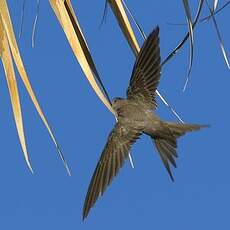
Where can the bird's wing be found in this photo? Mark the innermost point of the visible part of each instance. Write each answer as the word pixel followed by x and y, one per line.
pixel 146 72
pixel 112 158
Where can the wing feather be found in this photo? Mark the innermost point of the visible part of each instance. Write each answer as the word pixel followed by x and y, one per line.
pixel 146 72
pixel 112 159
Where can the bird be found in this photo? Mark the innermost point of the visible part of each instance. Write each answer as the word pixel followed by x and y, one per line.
pixel 135 116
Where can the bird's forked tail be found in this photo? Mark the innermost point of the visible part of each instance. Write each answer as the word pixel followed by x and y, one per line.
pixel 167 144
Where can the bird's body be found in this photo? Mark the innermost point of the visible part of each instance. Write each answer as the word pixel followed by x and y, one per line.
pixel 136 116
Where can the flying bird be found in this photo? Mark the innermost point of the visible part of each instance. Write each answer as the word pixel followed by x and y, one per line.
pixel 135 117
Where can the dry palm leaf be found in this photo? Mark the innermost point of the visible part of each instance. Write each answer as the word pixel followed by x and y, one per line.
pixel 22 18
pixel 8 43
pixel 119 11
pixel 179 46
pixel 35 23
pixel 215 3
pixel 117 7
pixel 13 90
pixel 213 11
pixel 68 20
pixel 218 34
pixel 205 19
pixel 217 11
pixel 190 29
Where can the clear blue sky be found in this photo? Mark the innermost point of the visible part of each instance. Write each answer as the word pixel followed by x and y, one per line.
pixel 143 198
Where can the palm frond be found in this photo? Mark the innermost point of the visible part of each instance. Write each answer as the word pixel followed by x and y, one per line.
pixel 7 29
pixel 215 3
pixel 135 21
pixel 217 11
pixel 69 22
pixel 22 17
pixel 119 12
pixel 182 42
pixel 35 23
pixel 219 35
pixel 190 29
pixel 13 90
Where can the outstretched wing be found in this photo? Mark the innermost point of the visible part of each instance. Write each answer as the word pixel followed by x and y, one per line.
pixel 146 72
pixel 112 158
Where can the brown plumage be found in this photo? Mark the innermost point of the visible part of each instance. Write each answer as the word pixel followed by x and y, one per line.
pixel 135 117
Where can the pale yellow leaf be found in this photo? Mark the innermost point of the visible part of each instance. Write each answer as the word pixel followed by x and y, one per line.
pixel 13 90
pixel 7 25
pixel 78 45
pixel 119 12
pixel 76 20
pixel 84 45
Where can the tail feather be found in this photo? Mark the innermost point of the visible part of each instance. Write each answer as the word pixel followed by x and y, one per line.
pixel 167 146
pixel 179 129
pixel 167 153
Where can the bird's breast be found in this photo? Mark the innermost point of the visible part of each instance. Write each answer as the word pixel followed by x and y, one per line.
pixel 133 114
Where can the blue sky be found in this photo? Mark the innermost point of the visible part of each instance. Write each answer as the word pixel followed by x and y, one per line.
pixel 140 198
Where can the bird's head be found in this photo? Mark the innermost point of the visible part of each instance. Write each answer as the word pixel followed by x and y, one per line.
pixel 116 103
